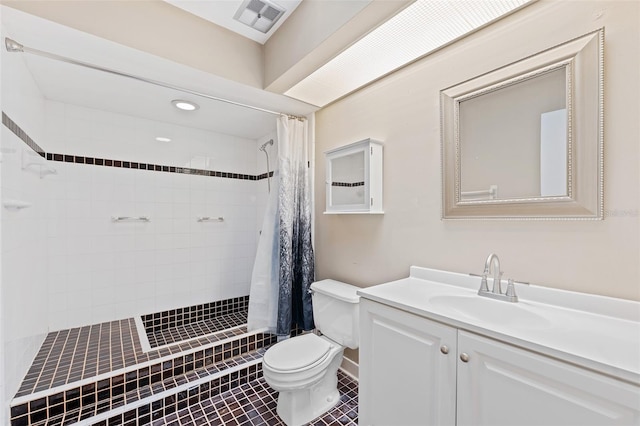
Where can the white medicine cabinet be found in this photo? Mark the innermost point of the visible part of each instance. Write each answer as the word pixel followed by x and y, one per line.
pixel 354 178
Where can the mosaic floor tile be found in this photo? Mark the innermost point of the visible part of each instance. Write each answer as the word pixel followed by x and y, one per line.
pixel 254 404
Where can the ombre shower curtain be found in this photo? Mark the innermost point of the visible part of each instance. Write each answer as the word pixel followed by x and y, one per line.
pixel 284 266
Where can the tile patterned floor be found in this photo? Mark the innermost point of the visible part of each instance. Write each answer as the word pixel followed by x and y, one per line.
pixel 67 356
pixel 254 404
pixel 169 336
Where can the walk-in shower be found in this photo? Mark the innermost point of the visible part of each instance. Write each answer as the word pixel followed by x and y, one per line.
pixel 263 148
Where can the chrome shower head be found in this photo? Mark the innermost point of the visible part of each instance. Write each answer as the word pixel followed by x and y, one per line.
pixel 264 145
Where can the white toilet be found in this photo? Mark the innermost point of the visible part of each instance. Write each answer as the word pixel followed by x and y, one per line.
pixel 304 368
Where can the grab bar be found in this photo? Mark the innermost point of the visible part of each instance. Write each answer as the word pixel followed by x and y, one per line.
pixel 210 219
pixel 130 219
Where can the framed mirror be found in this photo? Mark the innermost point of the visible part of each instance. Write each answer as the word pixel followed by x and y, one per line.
pixel 354 178
pixel 526 141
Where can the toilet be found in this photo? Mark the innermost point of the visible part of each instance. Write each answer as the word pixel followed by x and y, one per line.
pixel 304 369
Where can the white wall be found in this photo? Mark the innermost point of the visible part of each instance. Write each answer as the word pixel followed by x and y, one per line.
pixel 99 270
pixel 22 248
pixel 402 110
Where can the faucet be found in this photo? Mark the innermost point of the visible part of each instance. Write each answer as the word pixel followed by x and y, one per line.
pixel 493 263
pixel 492 266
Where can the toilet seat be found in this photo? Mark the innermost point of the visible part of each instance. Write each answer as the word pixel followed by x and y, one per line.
pixel 297 354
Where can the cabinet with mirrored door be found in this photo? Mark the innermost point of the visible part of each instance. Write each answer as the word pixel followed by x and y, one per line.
pixel 354 178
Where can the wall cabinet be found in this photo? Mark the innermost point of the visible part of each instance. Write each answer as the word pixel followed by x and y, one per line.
pixel 415 371
pixel 354 178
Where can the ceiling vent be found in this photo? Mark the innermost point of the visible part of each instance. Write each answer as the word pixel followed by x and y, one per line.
pixel 259 14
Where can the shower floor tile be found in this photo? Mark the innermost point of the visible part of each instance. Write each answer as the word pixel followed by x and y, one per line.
pixel 67 356
pixel 172 335
pixel 255 403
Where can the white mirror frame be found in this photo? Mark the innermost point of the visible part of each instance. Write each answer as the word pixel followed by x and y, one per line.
pixel 583 60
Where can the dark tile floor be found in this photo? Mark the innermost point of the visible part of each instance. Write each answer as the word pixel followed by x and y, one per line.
pixel 254 404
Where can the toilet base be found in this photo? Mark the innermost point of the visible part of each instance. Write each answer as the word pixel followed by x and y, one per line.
pixel 300 406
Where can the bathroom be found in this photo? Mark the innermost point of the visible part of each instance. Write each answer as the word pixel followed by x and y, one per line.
pixel 45 269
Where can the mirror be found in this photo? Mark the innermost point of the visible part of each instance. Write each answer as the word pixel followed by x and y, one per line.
pixel 525 141
pixel 354 178
pixel 347 182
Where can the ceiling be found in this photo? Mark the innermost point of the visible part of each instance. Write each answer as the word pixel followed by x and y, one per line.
pixel 73 84
pixel 221 12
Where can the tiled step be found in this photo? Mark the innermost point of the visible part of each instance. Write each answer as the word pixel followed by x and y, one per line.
pixel 186 332
pixel 71 355
pixel 200 387
pixel 80 400
pixel 176 325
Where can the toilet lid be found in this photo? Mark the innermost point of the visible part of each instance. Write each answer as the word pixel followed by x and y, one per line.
pixel 297 353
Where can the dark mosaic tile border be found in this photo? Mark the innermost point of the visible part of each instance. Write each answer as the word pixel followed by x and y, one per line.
pixel 192 330
pixel 78 159
pixel 17 130
pixel 110 393
pixel 186 315
pixel 347 184
pixel 254 403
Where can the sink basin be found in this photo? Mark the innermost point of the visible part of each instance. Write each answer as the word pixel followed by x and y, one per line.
pixel 480 309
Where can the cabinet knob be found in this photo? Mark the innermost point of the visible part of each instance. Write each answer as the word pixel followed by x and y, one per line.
pixel 444 349
pixel 464 357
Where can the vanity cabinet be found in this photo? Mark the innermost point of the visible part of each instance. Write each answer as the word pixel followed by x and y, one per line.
pixel 407 368
pixel 416 371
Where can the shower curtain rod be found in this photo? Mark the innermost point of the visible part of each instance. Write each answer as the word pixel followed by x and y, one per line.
pixel 14 46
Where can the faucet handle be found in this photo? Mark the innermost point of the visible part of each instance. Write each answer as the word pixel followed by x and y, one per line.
pixel 511 291
pixel 483 284
pixel 484 287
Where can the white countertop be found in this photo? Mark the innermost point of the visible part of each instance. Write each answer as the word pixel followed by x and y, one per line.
pixel 596 332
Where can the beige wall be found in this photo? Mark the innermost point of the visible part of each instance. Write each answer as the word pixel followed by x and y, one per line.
pixel 402 110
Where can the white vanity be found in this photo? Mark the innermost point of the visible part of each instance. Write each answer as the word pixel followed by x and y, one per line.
pixel 433 352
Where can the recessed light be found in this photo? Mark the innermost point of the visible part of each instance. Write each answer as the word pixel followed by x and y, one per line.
pixel 163 139
pixel 185 105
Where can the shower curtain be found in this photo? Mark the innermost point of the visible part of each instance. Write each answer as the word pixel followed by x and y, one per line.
pixel 284 266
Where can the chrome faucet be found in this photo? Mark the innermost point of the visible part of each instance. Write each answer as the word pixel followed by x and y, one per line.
pixel 492 265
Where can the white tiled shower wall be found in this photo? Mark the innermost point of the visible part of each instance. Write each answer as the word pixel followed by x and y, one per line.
pixel 66 264
pixel 99 270
pixel 23 293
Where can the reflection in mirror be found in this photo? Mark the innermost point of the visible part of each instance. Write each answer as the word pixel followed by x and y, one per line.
pixel 526 140
pixel 511 149
pixel 348 179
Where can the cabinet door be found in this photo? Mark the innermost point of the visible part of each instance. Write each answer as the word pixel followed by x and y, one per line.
pixel 504 385
pixel 405 376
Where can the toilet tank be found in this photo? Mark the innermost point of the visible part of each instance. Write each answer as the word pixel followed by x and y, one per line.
pixel 336 308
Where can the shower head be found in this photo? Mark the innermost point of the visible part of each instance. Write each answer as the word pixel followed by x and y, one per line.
pixel 12 45
pixel 263 147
